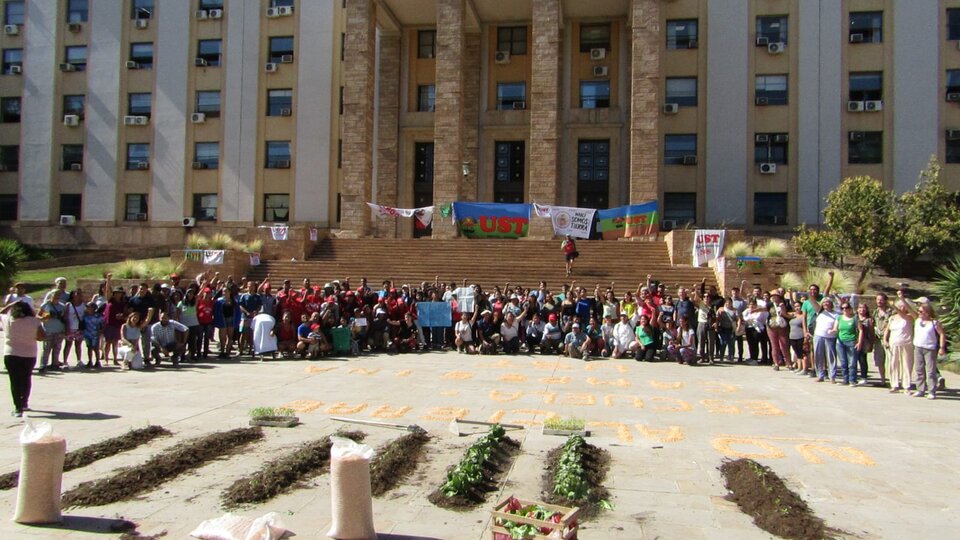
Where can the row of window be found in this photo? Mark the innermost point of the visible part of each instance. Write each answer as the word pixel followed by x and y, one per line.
pixel 78 11
pixel 513 96
pixel 864 27
pixel 513 39
pixel 864 148
pixel 679 209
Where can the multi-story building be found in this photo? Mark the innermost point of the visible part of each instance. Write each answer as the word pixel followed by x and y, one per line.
pixel 126 119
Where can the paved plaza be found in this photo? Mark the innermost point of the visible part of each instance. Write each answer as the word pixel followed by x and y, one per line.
pixel 869 463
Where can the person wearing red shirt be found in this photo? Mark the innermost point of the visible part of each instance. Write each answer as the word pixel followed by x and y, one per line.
pixel 205 318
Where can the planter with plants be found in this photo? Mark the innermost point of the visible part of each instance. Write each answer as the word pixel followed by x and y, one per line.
pixel 574 477
pixel 518 519
pixel 273 417
pixel 565 427
pixel 479 472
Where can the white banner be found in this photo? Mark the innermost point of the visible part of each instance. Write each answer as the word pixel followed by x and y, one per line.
pixel 279 232
pixel 254 259
pixel 542 210
pixel 707 245
pixel 213 256
pixel 313 234
pixel 389 211
pixel 573 221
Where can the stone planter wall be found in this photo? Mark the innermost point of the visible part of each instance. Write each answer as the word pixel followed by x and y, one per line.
pixel 767 275
pixel 297 245
pixel 680 244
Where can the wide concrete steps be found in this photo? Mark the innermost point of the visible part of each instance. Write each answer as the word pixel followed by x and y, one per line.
pixel 486 262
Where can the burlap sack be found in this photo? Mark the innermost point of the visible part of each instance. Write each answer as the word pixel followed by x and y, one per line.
pixel 350 497
pixel 41 471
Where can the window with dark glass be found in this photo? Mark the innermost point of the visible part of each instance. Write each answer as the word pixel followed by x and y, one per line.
pixel 13 12
pixel 210 4
pixel 866 86
pixel 594 36
pixel 73 104
pixel 205 206
pixel 207 154
pixel 281 3
pixel 141 9
pixel 594 94
pixel 135 208
pixel 682 34
pixel 76 11
pixel 142 54
pixel 953 24
pixel 9 158
pixel 866 27
pixel 682 91
pixel 511 95
pixel 865 147
pixel 209 51
pixel 276 207
pixel 10 110
pixel 208 103
pixel 679 149
pixel 70 155
pixel 769 208
pixel 426 43
pixel 771 90
pixel 770 148
pixel 508 171
pixel 953 146
pixel 8 207
pixel 139 104
pixel 680 207
pixel 12 58
pixel 278 155
pixel 512 39
pixel 71 204
pixel 137 154
pixel 773 29
pixel 953 81
pixel 426 97
pixel 77 56
pixel 280 102
pixel 422 183
pixel 593 173
pixel 280 47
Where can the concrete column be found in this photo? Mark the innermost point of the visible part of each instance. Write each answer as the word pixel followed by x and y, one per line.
pixel 169 120
pixel 471 114
pixel 358 97
pixel 240 107
pixel 102 114
pixel 388 130
pixel 315 86
pixel 545 110
pixel 40 60
pixel 645 154
pixel 449 112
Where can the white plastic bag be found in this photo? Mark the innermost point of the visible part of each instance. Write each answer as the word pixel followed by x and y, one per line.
pixel 41 473
pixel 350 498
pixel 231 527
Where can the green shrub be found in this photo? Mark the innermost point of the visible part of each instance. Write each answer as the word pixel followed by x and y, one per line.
pixel 221 241
pixel 792 281
pixel 197 241
pixel 842 283
pixel 738 249
pixel 253 246
pixel 12 254
pixel 819 246
pixel 771 248
pixel 947 287
pixel 161 269
pixel 130 269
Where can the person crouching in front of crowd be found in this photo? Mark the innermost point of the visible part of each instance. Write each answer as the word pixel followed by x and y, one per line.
pixel 406 334
pixel 510 334
pixel 552 341
pixel 646 340
pixel 535 332
pixel 286 333
pixel 573 343
pixel 594 345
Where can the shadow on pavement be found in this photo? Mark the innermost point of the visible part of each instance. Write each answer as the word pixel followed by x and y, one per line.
pixel 62 415
pixel 92 525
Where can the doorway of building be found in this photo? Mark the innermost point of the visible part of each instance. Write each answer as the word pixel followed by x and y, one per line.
pixel 422 184
pixel 508 172
pixel 593 174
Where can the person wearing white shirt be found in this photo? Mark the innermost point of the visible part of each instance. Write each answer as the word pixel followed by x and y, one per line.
pixel 510 334
pixel 624 337
pixel 825 342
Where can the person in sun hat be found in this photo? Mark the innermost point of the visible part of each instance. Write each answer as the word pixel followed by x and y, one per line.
pixel 624 337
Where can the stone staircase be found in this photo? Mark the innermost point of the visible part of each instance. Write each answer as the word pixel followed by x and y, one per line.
pixel 487 262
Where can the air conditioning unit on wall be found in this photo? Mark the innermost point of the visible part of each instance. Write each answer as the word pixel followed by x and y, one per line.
pixel 502 57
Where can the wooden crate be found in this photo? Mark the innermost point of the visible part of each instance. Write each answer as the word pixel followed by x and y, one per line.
pixel 565 530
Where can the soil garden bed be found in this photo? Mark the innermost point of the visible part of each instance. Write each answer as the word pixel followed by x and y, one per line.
pixel 479 472
pixel 574 477
pixel 165 466
pixel 86 455
pixel 395 461
pixel 284 472
pixel 761 494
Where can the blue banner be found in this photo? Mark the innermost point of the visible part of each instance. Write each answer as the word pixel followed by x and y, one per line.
pixel 492 220
pixel 628 221
pixel 434 314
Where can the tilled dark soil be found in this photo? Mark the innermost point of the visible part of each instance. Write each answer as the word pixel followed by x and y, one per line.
pixel 495 469
pixel 762 495
pixel 284 472
pixel 596 463
pixel 395 461
pixel 161 468
pixel 86 455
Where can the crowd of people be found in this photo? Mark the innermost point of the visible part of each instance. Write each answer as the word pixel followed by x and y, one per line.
pixel 814 333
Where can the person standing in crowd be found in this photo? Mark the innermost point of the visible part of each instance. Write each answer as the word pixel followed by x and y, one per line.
pixel 114 315
pixel 73 319
pixel 92 331
pixel 570 253
pixel 52 317
pixel 847 329
pixel 898 339
pixel 755 322
pixel 778 332
pixel 881 351
pixel 226 319
pixel 19 351
pixel 726 324
pixel 188 317
pixel 797 342
pixel 865 344
pixel 825 342
pixel 928 339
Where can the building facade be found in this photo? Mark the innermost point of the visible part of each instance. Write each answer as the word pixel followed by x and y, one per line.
pixel 122 121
